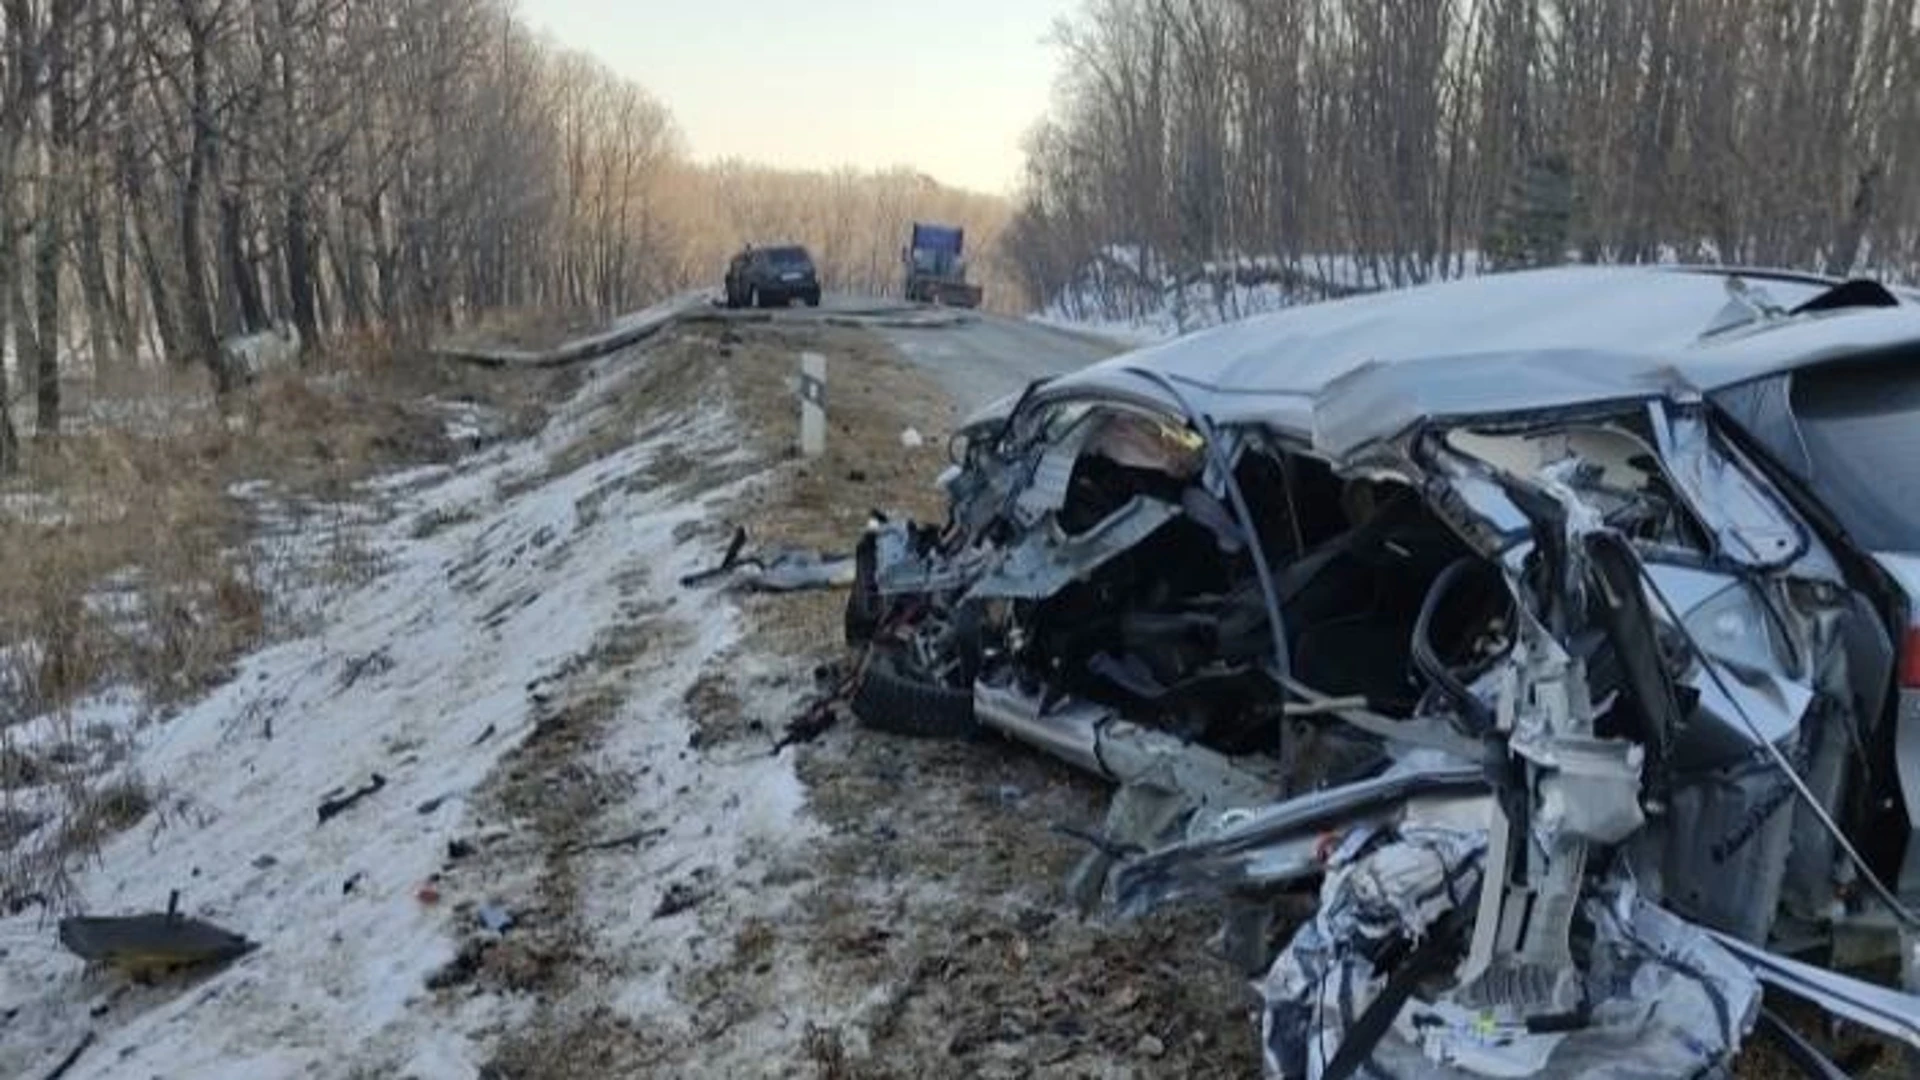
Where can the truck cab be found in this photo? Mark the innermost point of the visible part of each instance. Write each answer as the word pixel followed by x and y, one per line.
pixel 936 271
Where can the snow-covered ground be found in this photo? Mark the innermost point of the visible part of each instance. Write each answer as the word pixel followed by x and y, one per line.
pixel 496 578
pixel 1126 297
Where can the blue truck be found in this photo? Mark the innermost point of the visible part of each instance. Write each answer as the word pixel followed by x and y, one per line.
pixel 936 272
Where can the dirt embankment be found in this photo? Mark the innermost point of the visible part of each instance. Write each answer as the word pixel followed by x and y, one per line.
pixel 908 918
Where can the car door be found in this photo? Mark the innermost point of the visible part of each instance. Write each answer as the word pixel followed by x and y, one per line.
pixel 1847 436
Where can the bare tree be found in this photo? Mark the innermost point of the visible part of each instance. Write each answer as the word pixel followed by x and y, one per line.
pixel 1380 142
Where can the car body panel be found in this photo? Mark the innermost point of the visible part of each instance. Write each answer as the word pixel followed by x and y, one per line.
pixel 1664 667
pixel 1349 372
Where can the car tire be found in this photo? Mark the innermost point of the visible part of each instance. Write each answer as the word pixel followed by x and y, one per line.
pixel 893 700
pixel 813 299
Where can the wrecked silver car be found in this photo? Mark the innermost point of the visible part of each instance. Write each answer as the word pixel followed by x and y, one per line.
pixel 1524 618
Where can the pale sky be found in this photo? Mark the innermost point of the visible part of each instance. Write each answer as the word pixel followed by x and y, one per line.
pixel 946 86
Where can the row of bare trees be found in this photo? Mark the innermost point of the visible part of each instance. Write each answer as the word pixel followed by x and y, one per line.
pixel 1415 139
pixel 199 169
pixel 176 173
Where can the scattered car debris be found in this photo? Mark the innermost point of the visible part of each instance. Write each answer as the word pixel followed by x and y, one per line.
pixel 352 884
pixel 458 849
pixel 822 710
pixel 681 896
pixel 1500 614
pixel 66 1064
pixel 776 570
pixel 494 918
pixel 373 664
pixel 151 945
pixel 335 806
pixel 814 721
pixel 632 839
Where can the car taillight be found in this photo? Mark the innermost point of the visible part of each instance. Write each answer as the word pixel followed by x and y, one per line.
pixel 1910 660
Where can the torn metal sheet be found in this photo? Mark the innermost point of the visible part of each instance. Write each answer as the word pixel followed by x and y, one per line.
pixel 775 570
pixel 1661 998
pixel 1278 845
pixel 1750 526
pixel 1046 489
pixel 1095 739
pixel 1047 559
pixel 1889 1012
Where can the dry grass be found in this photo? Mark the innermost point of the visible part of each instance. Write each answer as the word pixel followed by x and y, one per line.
pixel 132 563
pixel 872 398
pixel 533 330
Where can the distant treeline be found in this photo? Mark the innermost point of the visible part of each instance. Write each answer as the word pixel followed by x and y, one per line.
pixel 1419 138
pixel 177 172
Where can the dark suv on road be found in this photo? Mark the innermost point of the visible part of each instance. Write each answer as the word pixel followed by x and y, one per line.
pixel 770 276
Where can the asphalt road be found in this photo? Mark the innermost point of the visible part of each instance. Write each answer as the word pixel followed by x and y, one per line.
pixel 978 357
pixel 988 357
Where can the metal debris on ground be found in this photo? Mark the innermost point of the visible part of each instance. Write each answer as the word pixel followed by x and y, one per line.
pixel 680 896
pixel 494 918
pixel 66 1064
pixel 775 570
pixel 148 945
pixel 337 805
pixel 632 839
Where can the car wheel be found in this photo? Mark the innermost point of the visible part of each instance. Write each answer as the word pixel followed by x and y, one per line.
pixel 892 699
pixel 813 299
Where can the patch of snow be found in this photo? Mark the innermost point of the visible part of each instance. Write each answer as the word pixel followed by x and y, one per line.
pixel 463 620
pixel 1118 299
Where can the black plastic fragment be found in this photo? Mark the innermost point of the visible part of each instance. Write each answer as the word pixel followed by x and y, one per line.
pixel 333 808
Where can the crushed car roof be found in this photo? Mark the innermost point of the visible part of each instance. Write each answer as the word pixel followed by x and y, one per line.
pixel 1348 373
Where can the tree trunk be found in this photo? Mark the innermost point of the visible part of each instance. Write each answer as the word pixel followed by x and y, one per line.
pixel 242 311
pixel 9 439
pixel 26 347
pixel 199 310
pixel 166 320
pixel 107 329
pixel 47 316
pixel 53 215
pixel 299 256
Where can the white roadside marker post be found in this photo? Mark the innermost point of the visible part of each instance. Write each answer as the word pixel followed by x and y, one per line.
pixel 813 404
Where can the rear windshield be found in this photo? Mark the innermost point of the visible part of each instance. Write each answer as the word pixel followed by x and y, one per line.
pixel 788 258
pixel 1861 424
